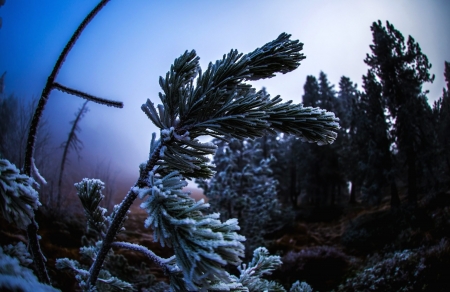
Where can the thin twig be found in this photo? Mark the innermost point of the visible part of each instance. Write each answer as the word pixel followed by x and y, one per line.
pixel 87 96
pixel 148 253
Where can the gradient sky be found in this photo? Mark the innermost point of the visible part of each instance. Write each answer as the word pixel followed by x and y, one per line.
pixel 131 43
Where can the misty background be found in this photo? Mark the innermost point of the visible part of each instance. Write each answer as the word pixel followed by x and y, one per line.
pixel 125 49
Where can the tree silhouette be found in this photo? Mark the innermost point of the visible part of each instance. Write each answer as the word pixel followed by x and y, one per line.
pixel 402 69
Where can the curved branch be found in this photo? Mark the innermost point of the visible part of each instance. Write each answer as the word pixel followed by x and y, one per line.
pixel 50 83
pixel 33 238
pixel 119 217
pixel 148 253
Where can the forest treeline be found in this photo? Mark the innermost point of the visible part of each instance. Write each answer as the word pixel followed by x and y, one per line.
pixel 392 142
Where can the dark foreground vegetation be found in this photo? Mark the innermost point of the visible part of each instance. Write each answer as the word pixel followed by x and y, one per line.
pixel 361 248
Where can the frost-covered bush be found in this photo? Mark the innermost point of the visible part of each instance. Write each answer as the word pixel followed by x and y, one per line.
pixel 263 264
pixel 14 276
pixel 423 269
pixel 243 187
pixel 18 198
pixel 323 267
pixel 395 272
pixel 301 287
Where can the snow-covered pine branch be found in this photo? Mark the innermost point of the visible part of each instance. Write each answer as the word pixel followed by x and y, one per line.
pixel 216 103
pixel 18 198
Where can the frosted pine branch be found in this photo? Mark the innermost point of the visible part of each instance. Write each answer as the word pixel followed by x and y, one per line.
pixel 90 193
pixel 202 244
pixel 219 105
pixel 18 198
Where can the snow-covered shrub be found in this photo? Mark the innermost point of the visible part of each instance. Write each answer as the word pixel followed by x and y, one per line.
pixel 244 188
pixel 395 272
pixel 18 198
pixel 264 264
pixel 14 276
pixel 422 269
pixel 301 287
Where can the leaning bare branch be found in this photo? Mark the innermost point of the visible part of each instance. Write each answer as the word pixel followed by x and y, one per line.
pixel 31 141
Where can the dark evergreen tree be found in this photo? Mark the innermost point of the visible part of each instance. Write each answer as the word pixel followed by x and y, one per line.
pixel 441 111
pixel 402 69
pixel 373 140
pixel 332 180
pixel 327 93
pixel 286 169
pixel 311 91
pixel 349 152
pixel 319 167
pixel 283 165
pixel 309 167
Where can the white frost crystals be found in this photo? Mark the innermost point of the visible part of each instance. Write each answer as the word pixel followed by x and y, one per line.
pixel 202 244
pixel 18 198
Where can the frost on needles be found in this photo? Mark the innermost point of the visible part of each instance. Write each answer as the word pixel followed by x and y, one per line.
pixel 217 103
pixel 18 198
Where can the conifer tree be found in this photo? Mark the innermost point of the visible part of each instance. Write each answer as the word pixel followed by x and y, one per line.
pixel 321 164
pixel 441 112
pixel 402 69
pixel 287 168
pixel 373 140
pixel 310 167
pixel 311 91
pixel 348 99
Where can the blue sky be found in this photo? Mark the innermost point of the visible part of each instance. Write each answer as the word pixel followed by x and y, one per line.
pixel 131 43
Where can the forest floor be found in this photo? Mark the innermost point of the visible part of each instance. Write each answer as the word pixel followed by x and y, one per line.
pixel 61 237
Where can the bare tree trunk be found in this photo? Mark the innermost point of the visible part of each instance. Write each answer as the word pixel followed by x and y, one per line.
pixel 72 142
